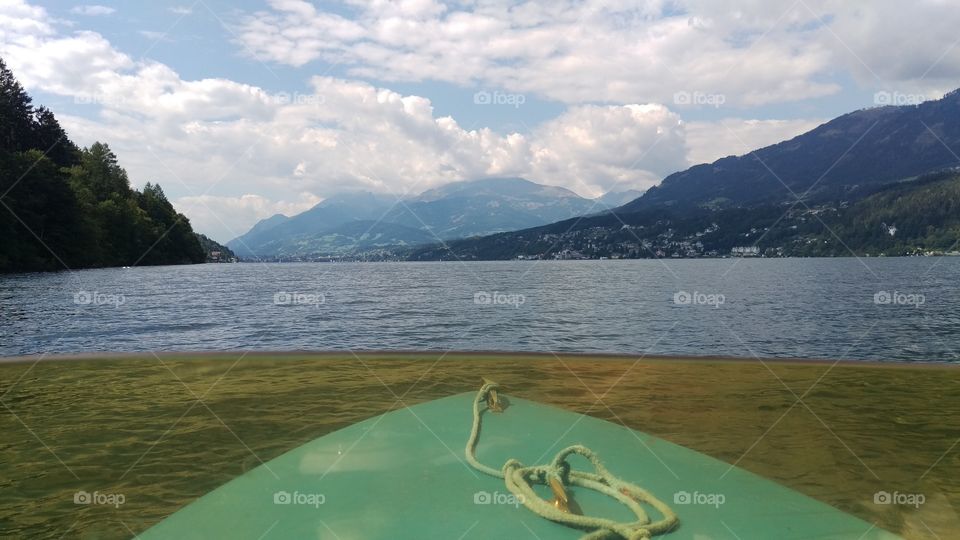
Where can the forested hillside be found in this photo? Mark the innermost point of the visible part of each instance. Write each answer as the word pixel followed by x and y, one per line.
pixel 908 218
pixel 63 207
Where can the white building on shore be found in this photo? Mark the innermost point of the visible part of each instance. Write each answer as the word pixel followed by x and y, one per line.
pixel 745 251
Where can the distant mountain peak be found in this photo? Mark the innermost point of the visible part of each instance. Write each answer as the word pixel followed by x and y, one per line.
pixel 265 225
pixel 455 210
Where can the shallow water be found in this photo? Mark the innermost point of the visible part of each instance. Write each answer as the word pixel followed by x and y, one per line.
pixel 164 431
pixel 787 308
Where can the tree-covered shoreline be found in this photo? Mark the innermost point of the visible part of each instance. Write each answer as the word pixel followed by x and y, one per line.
pixel 63 207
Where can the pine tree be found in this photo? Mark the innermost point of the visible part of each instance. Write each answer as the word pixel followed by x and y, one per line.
pixel 102 174
pixel 52 139
pixel 16 113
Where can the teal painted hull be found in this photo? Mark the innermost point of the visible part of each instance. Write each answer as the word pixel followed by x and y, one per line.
pixel 403 475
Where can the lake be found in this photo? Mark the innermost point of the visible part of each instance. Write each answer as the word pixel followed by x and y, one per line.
pixel 904 309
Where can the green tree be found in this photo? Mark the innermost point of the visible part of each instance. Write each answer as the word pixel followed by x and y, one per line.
pixel 16 113
pixel 101 174
pixel 52 139
pixel 40 222
pixel 172 238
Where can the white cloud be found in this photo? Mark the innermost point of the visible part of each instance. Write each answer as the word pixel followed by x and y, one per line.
pixel 207 139
pixel 20 21
pixel 93 10
pixel 181 10
pixel 82 64
pixel 710 141
pixel 628 51
pixel 593 150
pixel 212 142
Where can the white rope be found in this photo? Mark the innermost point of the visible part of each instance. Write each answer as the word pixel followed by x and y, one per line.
pixel 519 480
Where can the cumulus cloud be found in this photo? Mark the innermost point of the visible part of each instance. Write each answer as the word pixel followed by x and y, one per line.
pixel 84 64
pixel 20 22
pixel 593 149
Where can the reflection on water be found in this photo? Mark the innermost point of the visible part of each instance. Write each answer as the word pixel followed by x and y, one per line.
pixel 164 431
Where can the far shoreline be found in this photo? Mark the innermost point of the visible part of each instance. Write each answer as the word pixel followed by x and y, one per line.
pixel 475 354
pixel 396 261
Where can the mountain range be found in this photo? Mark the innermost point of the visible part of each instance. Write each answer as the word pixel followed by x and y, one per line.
pixel 844 159
pixel 363 221
pixel 819 193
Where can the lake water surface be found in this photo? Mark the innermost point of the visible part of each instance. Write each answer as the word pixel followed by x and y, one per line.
pixel 881 309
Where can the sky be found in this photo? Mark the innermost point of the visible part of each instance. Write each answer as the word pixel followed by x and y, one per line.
pixel 242 109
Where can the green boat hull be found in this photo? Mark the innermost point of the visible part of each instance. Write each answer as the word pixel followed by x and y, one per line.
pixel 403 475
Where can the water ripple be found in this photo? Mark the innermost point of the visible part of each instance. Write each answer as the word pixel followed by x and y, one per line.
pixel 824 308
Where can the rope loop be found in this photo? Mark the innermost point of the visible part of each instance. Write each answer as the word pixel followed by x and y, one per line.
pixel 558 474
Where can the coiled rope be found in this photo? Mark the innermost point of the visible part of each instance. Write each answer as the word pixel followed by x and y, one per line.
pixel 519 480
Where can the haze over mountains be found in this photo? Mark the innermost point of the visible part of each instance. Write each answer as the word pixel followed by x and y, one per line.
pixel 362 221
